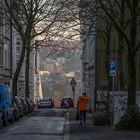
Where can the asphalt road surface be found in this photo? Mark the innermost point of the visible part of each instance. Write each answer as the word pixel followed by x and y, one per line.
pixel 43 124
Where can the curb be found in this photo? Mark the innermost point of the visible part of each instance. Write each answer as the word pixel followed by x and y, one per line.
pixel 66 127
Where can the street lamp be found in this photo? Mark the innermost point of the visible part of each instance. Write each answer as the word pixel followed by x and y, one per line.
pixel 73 84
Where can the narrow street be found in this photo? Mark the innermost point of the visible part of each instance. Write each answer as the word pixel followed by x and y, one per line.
pixel 54 124
pixel 40 125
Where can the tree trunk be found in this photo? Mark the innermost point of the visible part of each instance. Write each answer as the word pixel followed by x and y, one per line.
pixel 108 34
pixel 132 60
pixel 120 63
pixel 121 48
pixel 131 80
pixel 17 72
pixel 27 71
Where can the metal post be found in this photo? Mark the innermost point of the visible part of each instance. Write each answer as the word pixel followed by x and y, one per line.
pixel 73 84
pixel 113 89
pixel 11 46
pixel 113 83
pixel 73 89
pixel 11 53
pixel 112 69
pixel 73 97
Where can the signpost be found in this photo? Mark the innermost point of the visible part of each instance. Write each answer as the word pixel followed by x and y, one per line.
pixel 112 72
pixel 73 84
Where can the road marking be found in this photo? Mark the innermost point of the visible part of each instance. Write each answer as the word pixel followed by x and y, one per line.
pixel 66 127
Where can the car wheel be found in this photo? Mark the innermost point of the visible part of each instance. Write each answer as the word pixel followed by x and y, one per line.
pixel 21 115
pixel 1 124
pixel 5 122
pixel 12 120
pixel 17 118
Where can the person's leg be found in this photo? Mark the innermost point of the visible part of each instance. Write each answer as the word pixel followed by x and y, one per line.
pixel 84 116
pixel 81 117
pixel 77 115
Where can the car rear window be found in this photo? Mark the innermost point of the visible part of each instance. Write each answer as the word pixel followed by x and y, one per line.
pixel 45 100
pixel 48 99
pixel 65 99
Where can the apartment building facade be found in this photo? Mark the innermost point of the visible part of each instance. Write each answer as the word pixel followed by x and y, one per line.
pixel 33 69
pixel 88 51
pixel 5 55
pixel 7 69
pixel 10 50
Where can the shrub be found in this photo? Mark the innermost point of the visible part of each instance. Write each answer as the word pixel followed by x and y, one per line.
pixel 101 118
pixel 131 120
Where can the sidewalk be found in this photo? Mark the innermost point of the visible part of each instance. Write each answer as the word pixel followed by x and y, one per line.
pixel 90 132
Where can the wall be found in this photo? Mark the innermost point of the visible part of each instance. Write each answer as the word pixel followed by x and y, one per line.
pixel 117 103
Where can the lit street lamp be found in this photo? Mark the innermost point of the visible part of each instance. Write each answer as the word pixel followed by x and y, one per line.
pixel 73 84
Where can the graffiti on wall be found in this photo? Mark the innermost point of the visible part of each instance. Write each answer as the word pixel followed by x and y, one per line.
pixel 102 101
pixel 118 106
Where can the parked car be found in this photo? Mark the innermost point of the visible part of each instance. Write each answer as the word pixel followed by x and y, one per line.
pixel 16 112
pixel 1 124
pixel 51 99
pixel 6 104
pixel 17 101
pixel 45 103
pixel 25 106
pixel 67 102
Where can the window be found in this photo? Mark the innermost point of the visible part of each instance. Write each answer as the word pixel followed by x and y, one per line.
pixel 1 55
pixel 9 57
pixel 18 50
pixel 1 27
pixel 6 58
pixel 18 41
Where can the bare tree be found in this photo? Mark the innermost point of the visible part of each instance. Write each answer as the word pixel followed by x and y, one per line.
pixel 32 18
pixel 127 30
pixel 123 16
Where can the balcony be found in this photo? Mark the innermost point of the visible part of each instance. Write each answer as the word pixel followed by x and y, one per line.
pixel 1 69
pixel 7 72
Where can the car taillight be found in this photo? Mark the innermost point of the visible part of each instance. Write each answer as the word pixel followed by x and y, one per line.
pixel 3 109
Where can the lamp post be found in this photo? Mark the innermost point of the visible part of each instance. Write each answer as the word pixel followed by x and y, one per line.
pixel 73 84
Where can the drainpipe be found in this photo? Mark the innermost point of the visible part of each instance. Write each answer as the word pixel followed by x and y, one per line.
pixel 11 53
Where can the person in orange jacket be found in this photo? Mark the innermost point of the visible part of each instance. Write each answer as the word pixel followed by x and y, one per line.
pixel 82 107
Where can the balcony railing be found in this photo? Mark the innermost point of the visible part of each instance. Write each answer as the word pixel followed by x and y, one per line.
pixel 1 69
pixel 7 72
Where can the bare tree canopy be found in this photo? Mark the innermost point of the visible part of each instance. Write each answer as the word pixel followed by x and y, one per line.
pixel 34 18
pixel 124 16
